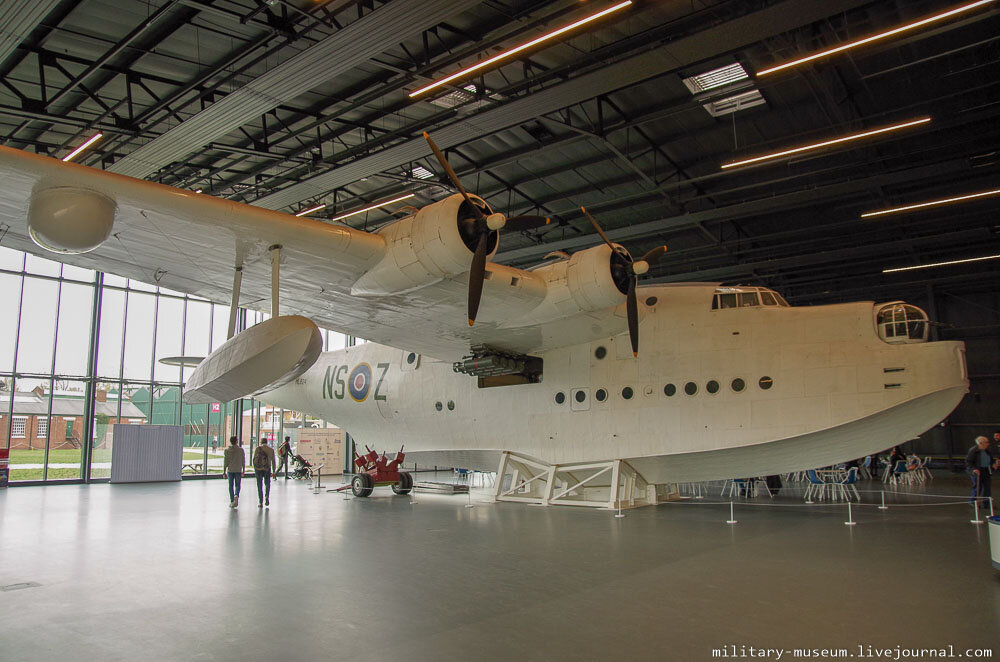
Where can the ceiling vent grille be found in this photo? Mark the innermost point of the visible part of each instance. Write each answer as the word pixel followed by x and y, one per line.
pixel 734 103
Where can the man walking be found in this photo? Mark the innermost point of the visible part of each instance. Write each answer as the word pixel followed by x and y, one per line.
pixel 233 463
pixel 263 466
pixel 981 462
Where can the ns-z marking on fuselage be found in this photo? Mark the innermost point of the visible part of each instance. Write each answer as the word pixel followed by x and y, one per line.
pixel 358 382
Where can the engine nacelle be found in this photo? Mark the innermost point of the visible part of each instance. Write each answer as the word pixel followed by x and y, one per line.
pixel 70 220
pixel 591 279
pixel 594 277
pixel 422 249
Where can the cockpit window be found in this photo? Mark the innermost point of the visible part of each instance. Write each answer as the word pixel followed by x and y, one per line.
pixel 746 297
pixel 901 323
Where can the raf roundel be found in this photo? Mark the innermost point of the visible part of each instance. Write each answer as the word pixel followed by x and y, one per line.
pixel 360 381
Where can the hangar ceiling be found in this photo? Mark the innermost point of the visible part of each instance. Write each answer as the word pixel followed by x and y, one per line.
pixel 293 103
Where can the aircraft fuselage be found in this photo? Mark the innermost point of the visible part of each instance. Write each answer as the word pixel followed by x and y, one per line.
pixel 715 393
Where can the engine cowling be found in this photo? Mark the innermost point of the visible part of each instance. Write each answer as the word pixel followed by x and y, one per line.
pixel 598 277
pixel 591 279
pixel 423 249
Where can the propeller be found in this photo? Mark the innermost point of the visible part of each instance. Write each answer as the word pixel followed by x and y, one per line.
pixel 625 272
pixel 479 229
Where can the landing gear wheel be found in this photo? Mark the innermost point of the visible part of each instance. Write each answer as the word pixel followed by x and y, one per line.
pixel 361 485
pixel 404 485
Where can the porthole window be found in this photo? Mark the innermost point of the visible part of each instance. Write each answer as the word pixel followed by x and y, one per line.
pixel 669 390
pixel 738 384
pixel 438 405
pixel 712 386
pixel 411 358
pixel 580 396
pixel 601 395
pixel 651 301
pixel 560 398
pixel 627 393
pixel 451 405
pixel 690 388
pixel 600 352
pixel 765 383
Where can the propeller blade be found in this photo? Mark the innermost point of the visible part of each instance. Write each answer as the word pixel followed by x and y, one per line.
pixel 632 310
pixel 477 274
pixel 451 174
pixel 654 255
pixel 519 223
pixel 598 228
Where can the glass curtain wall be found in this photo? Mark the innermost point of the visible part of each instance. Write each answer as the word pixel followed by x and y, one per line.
pixel 80 352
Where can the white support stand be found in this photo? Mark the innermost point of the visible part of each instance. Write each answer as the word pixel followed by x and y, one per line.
pixel 883 506
pixel 732 514
pixel 850 517
pixel 976 520
pixel 612 485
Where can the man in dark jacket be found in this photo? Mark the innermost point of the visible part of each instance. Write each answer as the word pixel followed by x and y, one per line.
pixel 980 462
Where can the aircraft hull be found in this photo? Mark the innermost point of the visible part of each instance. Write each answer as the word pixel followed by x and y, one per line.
pixel 819 387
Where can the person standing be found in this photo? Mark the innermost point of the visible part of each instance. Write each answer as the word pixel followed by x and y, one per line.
pixel 263 467
pixel 981 461
pixel 233 463
pixel 284 452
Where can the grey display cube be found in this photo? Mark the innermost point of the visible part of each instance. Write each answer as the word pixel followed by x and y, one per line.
pixel 146 453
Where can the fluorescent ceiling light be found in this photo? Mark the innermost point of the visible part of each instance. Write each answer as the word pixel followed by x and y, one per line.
pixel 876 37
pixel 716 78
pixel 518 49
pixel 826 143
pixel 93 139
pixel 381 204
pixel 931 203
pixel 421 172
pixel 310 210
pixel 942 264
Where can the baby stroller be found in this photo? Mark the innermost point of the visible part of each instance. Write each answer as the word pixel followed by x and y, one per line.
pixel 303 468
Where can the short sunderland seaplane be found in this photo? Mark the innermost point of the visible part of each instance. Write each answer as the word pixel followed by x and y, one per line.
pixel 537 374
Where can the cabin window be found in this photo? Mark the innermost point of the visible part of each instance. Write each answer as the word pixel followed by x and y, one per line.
pixel 738 385
pixel 627 392
pixel 580 396
pixel 690 388
pixel 600 352
pixel 651 301
pixel 438 405
pixel 560 398
pixel 712 386
pixel 765 383
pixel 767 299
pixel 601 395
pixel 451 405
pixel 748 299
pixel 411 358
pixel 669 390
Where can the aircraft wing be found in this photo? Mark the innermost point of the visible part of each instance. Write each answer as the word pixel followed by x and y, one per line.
pixel 191 243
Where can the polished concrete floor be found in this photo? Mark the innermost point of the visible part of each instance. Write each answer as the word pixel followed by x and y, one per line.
pixel 169 572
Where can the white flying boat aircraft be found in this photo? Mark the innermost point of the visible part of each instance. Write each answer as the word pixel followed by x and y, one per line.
pixel 546 385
